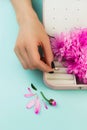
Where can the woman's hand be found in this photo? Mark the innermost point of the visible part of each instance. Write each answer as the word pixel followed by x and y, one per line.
pixel 31 35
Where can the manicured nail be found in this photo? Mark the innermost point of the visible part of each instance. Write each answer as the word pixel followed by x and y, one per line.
pixel 52 64
pixel 51 72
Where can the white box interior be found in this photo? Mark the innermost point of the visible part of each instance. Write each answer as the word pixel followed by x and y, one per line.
pixel 62 15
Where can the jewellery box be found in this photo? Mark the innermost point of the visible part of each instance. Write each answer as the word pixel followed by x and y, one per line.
pixel 60 16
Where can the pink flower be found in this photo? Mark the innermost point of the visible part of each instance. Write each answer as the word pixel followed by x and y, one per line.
pixel 71 49
pixel 35 102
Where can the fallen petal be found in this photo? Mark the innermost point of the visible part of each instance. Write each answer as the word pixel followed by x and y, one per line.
pixel 29 90
pixel 29 95
pixel 45 105
pixel 37 105
pixel 30 104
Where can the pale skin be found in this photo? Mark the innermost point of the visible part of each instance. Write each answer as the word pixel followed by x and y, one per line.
pixel 31 35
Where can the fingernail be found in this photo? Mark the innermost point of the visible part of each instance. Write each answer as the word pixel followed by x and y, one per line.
pixel 52 64
pixel 51 72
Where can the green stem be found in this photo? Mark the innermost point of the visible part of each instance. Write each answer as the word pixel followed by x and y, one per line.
pixel 44 96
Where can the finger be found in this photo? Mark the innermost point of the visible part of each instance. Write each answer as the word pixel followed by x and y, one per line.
pixel 24 64
pixel 44 67
pixel 33 54
pixel 25 57
pixel 36 62
pixel 47 50
pixel 43 59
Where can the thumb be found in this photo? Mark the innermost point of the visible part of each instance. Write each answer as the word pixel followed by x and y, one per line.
pixel 44 67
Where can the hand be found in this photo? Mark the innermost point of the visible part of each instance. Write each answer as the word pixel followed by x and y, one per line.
pixel 31 35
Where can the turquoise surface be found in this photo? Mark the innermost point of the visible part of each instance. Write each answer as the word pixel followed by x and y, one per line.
pixel 71 111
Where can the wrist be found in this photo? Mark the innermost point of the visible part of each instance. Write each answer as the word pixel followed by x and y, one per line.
pixel 26 16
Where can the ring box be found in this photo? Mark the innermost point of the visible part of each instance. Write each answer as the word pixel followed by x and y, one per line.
pixel 61 16
pixel 61 80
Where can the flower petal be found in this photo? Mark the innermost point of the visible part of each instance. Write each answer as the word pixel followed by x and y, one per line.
pixel 37 105
pixel 29 90
pixel 29 95
pixel 45 105
pixel 30 104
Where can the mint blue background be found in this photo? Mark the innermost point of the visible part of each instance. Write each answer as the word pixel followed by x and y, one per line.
pixel 71 112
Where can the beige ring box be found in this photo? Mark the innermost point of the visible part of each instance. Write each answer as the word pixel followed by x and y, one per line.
pixel 60 16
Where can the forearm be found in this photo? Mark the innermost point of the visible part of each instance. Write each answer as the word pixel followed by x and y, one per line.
pixel 24 10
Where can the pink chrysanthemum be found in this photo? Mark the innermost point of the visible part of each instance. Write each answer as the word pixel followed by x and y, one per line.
pixel 71 49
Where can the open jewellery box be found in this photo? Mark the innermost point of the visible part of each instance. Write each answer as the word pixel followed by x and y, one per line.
pixel 60 16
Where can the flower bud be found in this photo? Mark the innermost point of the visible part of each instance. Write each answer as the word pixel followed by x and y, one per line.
pixel 52 102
